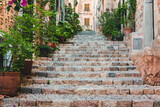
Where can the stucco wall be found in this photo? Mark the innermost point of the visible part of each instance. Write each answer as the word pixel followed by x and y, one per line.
pixel 139 17
pixel 86 14
pixel 157 17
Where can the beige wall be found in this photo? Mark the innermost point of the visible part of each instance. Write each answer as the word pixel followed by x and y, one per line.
pixel 139 17
pixel 157 17
pixel 140 20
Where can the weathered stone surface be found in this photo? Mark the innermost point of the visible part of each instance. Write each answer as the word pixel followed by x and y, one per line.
pixel 110 103
pixel 86 75
pixel 149 91
pixel 147 62
pixel 61 103
pixel 142 103
pixel 136 91
pixel 84 104
pixel 124 103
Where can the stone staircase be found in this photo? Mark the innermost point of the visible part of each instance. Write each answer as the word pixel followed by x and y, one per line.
pixel 88 71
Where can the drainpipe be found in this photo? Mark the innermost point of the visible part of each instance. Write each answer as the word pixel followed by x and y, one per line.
pixel 153 18
pixel 148 23
pixel 74 5
pixel 62 9
pixel 94 16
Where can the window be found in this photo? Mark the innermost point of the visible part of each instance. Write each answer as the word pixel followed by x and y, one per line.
pixel 86 7
pixel 86 21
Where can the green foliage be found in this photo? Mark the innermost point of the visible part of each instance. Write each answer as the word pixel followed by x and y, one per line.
pixel 16 44
pixel 64 31
pixel 111 20
pixel 72 18
pixel 48 82
pixel 117 35
pixel 45 50
pixel 30 28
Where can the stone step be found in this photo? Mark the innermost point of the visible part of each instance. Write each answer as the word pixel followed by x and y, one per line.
pixel 85 81
pixel 107 47
pixel 98 47
pixel 90 55
pixel 98 42
pixel 91 89
pixel 81 74
pixel 89 52
pixel 92 44
pixel 84 68
pixel 83 59
pixel 91 59
pixel 83 63
pixel 54 100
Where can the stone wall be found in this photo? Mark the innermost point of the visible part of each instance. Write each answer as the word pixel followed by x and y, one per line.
pixel 147 62
pixel 157 17
pixel 139 17
pixel 6 18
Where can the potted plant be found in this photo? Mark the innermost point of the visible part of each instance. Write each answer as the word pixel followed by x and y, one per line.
pixel 117 36
pixel 109 24
pixel 128 26
pixel 50 33
pixel 16 49
pixel 1 97
pixel 128 20
pixel 27 26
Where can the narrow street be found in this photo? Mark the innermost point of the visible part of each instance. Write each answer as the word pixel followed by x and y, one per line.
pixel 88 71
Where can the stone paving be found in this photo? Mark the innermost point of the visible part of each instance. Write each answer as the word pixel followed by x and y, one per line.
pixel 88 71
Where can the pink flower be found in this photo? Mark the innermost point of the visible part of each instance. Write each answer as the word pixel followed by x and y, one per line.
pixel 11 2
pixel 24 3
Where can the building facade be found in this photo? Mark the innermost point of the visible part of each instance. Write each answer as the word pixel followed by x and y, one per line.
pixel 85 8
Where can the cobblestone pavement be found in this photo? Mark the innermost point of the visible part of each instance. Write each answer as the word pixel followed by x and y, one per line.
pixel 88 71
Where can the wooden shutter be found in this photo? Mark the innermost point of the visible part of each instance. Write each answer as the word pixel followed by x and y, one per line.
pixel 86 22
pixel 86 7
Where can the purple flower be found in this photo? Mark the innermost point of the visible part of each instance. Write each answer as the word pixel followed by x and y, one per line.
pixel 14 105
pixel 24 3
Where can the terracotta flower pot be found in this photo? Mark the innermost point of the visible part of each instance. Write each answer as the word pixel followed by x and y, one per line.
pixel 109 37
pixel 9 83
pixel 52 45
pixel 127 31
pixel 1 97
pixel 27 68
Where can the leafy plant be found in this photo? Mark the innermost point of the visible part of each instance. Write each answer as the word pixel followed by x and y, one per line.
pixel 72 18
pixel 14 42
pixel 45 50
pixel 109 22
pixel 64 31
